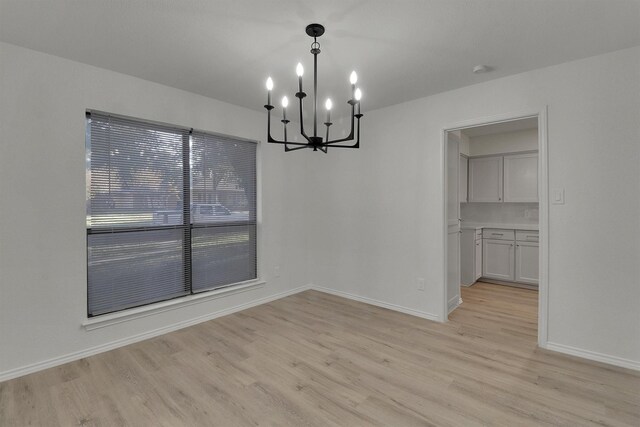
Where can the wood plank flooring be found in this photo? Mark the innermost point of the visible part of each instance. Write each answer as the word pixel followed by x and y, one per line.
pixel 314 359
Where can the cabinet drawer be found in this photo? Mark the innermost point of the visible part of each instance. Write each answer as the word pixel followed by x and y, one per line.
pixel 498 233
pixel 527 236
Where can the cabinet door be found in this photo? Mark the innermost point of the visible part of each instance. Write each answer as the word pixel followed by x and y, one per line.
pixel 521 178
pixel 478 256
pixel 485 179
pixel 464 178
pixel 467 257
pixel 527 259
pixel 498 259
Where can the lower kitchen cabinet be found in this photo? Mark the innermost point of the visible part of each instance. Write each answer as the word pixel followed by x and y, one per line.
pixel 510 255
pixel 470 256
pixel 498 259
pixel 527 260
pixel 478 256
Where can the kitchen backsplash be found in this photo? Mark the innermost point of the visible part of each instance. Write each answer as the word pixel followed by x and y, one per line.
pixel 508 213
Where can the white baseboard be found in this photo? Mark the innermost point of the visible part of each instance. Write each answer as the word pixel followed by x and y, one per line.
pixel 394 307
pixel 38 366
pixel 50 363
pixel 453 303
pixel 595 356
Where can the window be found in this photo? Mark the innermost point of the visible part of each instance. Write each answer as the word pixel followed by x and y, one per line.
pixel 156 229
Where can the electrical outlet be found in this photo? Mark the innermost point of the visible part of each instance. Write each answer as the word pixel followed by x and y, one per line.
pixel 276 271
pixel 421 286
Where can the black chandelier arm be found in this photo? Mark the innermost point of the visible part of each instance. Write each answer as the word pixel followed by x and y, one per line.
pixel 287 149
pixel 300 96
pixel 275 141
pixel 270 138
pixel 357 143
pixel 349 137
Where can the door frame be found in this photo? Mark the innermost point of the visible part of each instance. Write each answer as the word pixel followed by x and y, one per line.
pixel 543 222
pixel 455 224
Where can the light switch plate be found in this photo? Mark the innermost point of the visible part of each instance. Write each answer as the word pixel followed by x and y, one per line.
pixel 557 196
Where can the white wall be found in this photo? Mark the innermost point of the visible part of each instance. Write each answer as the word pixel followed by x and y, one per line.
pixel 377 212
pixel 506 142
pixel 42 201
pixel 382 206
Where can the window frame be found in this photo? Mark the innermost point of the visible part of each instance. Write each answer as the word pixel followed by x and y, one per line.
pixel 94 321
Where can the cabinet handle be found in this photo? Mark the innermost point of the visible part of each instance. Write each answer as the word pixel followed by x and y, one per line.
pixel 535 237
pixel 497 234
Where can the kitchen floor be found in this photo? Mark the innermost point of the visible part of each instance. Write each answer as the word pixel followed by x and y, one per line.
pixel 505 312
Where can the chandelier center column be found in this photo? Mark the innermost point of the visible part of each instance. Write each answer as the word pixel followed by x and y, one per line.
pixel 315 49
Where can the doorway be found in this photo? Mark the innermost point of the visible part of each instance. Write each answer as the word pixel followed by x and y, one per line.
pixel 500 235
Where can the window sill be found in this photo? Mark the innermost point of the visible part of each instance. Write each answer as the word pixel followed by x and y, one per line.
pixel 160 307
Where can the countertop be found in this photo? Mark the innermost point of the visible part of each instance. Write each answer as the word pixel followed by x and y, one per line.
pixel 479 225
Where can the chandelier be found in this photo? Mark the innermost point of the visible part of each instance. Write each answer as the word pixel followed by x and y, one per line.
pixel 316 142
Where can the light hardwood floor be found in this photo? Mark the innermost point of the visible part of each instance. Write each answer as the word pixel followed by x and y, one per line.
pixel 314 359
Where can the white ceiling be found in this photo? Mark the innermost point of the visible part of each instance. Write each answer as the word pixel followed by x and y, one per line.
pixel 402 50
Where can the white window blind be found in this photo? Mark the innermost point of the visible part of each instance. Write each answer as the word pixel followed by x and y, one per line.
pixel 157 230
pixel 223 194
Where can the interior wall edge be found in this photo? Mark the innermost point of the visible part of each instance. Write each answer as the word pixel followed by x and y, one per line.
pixel 378 303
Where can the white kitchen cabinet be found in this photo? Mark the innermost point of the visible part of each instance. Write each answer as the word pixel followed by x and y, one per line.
pixel 521 177
pixel 464 178
pixel 485 179
pixel 478 256
pixel 527 259
pixel 470 256
pixel 498 259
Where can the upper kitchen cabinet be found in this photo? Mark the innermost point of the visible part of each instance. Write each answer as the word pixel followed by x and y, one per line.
pixel 464 178
pixel 485 179
pixel 521 177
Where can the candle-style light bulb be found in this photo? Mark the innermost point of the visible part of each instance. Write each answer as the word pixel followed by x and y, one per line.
pixel 269 88
pixel 328 104
pixel 358 94
pixel 299 72
pixel 285 102
pixel 353 78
